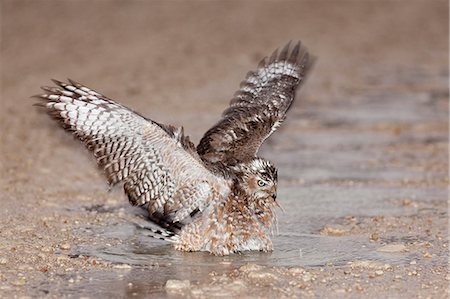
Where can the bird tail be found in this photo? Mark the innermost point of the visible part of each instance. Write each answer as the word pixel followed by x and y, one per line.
pixel 160 233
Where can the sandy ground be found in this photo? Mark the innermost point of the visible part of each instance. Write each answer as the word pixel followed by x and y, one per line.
pixel 373 117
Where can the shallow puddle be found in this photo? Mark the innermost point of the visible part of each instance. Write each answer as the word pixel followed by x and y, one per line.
pixel 150 262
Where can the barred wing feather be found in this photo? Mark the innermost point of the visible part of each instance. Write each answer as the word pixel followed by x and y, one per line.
pixel 257 109
pixel 154 162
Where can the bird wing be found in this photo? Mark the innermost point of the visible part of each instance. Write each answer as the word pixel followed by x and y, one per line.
pixel 157 164
pixel 257 109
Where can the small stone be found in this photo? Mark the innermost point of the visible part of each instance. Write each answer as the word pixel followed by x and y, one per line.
pixel 47 249
pixel 177 285
pixel 374 237
pixel 3 261
pixel 65 246
pixel 379 272
pixel 307 277
pixel 427 255
pixel 391 248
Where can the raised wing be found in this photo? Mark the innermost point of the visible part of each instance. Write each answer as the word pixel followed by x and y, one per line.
pixel 157 164
pixel 257 109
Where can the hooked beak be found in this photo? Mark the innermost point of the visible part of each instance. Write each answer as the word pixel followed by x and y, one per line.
pixel 274 192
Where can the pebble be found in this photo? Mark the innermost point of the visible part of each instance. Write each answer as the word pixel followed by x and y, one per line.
pixel 379 272
pixel 392 248
pixel 47 249
pixel 307 277
pixel 65 246
pixel 177 285
pixel 374 237
pixel 3 261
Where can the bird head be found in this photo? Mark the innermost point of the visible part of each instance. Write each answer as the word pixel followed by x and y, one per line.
pixel 259 179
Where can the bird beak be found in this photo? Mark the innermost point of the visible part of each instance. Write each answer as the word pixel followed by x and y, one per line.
pixel 274 192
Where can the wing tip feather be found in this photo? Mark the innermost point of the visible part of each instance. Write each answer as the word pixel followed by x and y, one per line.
pixel 284 52
pixel 297 55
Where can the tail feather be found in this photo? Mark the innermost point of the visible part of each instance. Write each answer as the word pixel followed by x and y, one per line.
pixel 160 234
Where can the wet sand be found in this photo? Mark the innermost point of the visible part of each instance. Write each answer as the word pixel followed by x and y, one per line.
pixel 362 158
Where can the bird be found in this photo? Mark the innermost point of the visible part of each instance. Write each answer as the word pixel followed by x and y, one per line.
pixel 219 196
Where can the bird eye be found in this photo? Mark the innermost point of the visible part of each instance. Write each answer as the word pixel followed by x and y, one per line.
pixel 261 183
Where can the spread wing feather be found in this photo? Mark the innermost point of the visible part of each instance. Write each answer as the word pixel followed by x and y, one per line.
pixel 154 162
pixel 257 109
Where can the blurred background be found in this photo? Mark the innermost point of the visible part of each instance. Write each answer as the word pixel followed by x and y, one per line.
pixel 367 136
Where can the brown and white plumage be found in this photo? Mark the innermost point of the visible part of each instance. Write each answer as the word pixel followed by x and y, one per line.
pixel 257 109
pixel 218 197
